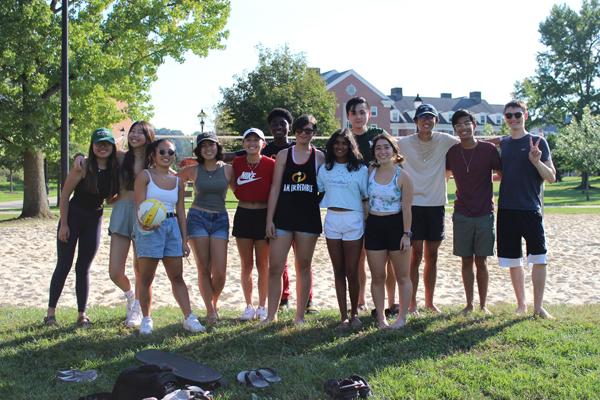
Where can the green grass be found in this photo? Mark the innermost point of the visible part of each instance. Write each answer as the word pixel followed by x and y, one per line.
pixel 435 357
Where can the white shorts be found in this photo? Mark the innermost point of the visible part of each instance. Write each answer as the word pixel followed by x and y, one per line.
pixel 345 225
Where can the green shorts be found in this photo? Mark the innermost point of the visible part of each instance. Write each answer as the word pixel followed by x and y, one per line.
pixel 473 235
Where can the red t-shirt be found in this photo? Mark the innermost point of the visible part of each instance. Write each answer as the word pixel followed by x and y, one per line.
pixel 472 170
pixel 253 183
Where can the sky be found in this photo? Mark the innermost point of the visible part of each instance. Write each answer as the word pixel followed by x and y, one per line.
pixel 424 47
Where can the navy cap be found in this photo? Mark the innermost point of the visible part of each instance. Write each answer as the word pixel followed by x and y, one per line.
pixel 103 135
pixel 426 109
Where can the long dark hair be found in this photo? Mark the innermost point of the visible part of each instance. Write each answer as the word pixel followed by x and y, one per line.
pixel 127 172
pixel 398 159
pixel 90 181
pixel 354 157
pixel 151 149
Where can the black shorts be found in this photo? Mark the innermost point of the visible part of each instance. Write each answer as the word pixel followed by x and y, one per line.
pixel 428 223
pixel 249 223
pixel 384 232
pixel 512 225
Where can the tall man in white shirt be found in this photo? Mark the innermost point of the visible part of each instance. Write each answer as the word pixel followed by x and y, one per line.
pixel 425 155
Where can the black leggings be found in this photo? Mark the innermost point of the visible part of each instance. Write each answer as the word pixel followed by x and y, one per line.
pixel 85 227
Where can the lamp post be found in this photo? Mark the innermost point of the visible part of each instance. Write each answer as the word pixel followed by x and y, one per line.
pixel 123 138
pixel 201 116
pixel 64 95
pixel 417 101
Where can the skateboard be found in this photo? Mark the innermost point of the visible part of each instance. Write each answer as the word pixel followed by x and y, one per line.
pixel 184 368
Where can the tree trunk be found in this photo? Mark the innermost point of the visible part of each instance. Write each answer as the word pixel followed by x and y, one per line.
pixel 585 182
pixel 35 200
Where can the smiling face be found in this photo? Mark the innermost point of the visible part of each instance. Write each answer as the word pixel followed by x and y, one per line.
pixel 426 123
pixel 515 118
pixel 383 150
pixel 164 155
pixel 253 144
pixel 136 137
pixel 279 128
pixel 208 149
pixel 464 128
pixel 103 149
pixel 340 149
pixel 305 134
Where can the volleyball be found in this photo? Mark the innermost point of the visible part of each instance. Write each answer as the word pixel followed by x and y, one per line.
pixel 152 212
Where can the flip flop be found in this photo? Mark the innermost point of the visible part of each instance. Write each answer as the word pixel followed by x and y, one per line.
pixel 268 374
pixel 341 389
pixel 365 390
pixel 252 378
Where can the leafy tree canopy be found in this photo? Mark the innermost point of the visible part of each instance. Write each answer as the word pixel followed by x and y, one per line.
pixel 568 75
pixel 578 144
pixel 281 79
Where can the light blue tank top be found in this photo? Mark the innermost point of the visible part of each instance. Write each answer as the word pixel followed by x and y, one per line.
pixel 385 198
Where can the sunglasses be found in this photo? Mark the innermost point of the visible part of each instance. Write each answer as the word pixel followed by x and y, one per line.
pixel 517 115
pixel 306 131
pixel 164 152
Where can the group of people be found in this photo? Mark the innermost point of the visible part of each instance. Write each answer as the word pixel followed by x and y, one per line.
pixel 385 199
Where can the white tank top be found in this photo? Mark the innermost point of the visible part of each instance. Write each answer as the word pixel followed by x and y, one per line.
pixel 167 196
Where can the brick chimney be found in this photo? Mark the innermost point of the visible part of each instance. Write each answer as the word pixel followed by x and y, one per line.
pixel 396 93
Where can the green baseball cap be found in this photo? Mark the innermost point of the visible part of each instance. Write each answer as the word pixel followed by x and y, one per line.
pixel 103 135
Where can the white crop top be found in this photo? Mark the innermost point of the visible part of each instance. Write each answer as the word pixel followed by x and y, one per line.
pixel 167 196
pixel 385 198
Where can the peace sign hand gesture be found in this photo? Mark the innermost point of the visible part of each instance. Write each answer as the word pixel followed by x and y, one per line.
pixel 535 154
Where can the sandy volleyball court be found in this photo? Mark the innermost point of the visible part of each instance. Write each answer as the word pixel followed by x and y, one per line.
pixel 28 257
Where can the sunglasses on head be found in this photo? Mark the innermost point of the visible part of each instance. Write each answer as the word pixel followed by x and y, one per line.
pixel 164 152
pixel 517 115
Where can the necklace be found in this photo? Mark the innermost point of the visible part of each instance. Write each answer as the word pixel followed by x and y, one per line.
pixel 424 151
pixel 252 166
pixel 462 153
pixel 212 172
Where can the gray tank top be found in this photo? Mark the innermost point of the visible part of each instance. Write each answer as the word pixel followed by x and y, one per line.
pixel 211 189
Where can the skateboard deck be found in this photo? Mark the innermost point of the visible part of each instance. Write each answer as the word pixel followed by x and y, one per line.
pixel 184 368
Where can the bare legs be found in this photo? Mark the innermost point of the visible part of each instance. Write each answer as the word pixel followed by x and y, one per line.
pixel 430 250
pixel 344 258
pixel 246 248
pixel 469 279
pixel 390 281
pixel 538 278
pixel 278 251
pixel 211 261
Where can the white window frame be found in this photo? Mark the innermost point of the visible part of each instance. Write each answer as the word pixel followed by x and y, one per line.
pixel 394 115
pixel 373 111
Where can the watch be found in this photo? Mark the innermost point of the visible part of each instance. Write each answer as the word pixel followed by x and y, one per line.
pixel 409 234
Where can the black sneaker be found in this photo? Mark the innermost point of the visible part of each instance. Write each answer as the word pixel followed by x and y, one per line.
pixel 283 305
pixel 310 308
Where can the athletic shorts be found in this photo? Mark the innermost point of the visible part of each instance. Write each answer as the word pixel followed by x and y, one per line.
pixel 123 218
pixel 428 223
pixel 250 223
pixel 384 232
pixel 473 235
pixel 207 224
pixel 344 225
pixel 516 224
pixel 164 241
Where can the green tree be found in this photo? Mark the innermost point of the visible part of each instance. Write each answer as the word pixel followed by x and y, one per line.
pixel 116 47
pixel 281 79
pixel 567 78
pixel 578 145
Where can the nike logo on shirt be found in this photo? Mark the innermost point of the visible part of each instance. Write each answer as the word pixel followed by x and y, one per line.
pixel 247 177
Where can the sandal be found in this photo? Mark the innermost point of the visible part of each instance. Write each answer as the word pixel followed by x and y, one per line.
pixel 83 322
pixel 50 320
pixel 252 378
pixel 268 374
pixel 353 387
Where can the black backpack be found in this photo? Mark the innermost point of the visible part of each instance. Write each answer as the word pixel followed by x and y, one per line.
pixel 137 383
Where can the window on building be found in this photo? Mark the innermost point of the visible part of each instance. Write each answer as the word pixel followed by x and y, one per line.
pixel 498 119
pixel 482 119
pixel 395 116
pixel 373 111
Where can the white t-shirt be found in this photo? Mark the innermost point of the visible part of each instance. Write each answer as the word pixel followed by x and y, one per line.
pixel 343 189
pixel 425 162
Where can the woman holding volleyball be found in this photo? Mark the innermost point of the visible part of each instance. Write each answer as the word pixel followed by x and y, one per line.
pixel 166 241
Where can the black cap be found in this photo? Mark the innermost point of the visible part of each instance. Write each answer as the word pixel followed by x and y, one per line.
pixel 426 109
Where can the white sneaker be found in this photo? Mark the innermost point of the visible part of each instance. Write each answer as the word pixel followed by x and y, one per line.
pixel 249 313
pixel 192 324
pixel 261 313
pixel 130 297
pixel 146 326
pixel 134 317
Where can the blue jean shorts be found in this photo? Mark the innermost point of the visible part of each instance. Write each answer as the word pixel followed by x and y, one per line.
pixel 164 241
pixel 207 224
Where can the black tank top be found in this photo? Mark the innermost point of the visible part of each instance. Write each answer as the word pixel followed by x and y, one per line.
pixel 298 203
pixel 83 199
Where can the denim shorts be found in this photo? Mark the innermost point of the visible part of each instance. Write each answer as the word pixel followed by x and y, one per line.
pixel 164 241
pixel 207 224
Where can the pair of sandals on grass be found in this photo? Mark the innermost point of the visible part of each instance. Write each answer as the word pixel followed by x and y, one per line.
pixel 258 378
